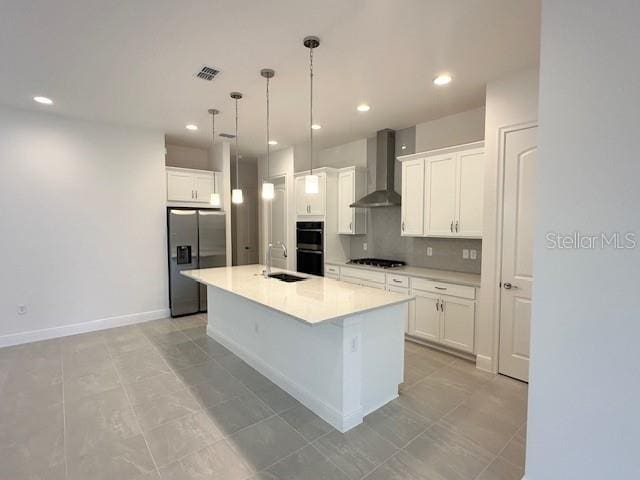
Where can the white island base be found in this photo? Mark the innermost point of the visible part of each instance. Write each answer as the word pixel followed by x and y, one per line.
pixel 340 369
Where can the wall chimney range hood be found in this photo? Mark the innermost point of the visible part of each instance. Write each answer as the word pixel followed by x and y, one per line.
pixel 384 195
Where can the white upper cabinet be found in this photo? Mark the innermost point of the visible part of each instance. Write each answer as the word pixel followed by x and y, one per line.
pixel 311 204
pixel 352 185
pixel 412 209
pixel 440 194
pixel 192 186
pixel 446 200
pixel 470 192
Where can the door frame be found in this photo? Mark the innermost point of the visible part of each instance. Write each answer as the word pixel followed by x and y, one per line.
pixel 497 297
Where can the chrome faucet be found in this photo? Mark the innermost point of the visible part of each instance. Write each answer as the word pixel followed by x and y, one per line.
pixel 267 271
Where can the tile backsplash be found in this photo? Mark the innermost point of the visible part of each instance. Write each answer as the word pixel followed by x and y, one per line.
pixel 384 241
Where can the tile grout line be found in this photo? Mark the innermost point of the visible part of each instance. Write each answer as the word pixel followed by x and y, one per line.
pixel 134 412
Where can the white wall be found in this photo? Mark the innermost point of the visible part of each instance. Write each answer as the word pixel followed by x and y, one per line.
pixel 463 127
pixel 188 157
pixel 220 160
pixel 511 101
pixel 83 225
pixel 585 370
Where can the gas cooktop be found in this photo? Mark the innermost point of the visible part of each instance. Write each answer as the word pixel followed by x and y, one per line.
pixel 376 262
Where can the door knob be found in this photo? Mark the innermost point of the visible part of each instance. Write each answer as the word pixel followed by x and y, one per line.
pixel 508 286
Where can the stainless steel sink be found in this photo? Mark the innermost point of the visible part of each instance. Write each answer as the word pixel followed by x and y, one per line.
pixel 286 277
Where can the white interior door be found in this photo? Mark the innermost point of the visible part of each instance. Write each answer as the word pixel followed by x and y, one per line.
pixel 278 224
pixel 517 252
pixel 441 195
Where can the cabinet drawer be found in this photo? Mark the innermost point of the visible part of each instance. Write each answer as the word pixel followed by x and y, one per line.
pixel 397 280
pixel 376 277
pixel 332 270
pixel 461 291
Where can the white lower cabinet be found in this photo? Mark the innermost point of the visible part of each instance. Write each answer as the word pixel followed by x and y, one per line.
pixel 426 316
pixel 443 319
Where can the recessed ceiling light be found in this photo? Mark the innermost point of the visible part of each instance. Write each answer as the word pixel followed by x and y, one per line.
pixel 316 126
pixel 273 142
pixel 363 107
pixel 43 100
pixel 191 127
pixel 441 80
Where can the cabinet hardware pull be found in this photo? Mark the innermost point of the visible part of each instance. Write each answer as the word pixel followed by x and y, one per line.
pixel 403 226
pixel 451 226
pixel 441 288
pixel 437 305
pixel 457 226
pixel 395 280
pixel 350 226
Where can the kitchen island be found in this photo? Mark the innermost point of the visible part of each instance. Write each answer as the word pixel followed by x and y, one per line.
pixel 337 348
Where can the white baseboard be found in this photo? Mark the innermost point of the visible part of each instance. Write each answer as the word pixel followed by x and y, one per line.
pixel 84 327
pixel 325 411
pixel 484 363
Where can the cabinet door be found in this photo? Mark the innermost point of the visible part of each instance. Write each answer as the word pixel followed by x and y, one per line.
pixel 412 197
pixel 457 330
pixel 316 200
pixel 180 186
pixel 346 194
pixel 302 205
pixel 203 186
pixel 353 280
pixel 470 193
pixel 440 195
pixel 426 317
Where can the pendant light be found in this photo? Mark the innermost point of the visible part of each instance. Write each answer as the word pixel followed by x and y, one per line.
pixel 311 182
pixel 215 196
pixel 268 191
pixel 236 193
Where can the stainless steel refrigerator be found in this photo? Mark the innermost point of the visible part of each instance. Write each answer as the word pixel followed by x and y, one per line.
pixel 196 239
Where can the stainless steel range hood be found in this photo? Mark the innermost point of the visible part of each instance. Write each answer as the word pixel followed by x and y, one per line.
pixel 384 195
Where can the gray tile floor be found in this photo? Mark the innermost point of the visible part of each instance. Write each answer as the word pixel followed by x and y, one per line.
pixel 162 400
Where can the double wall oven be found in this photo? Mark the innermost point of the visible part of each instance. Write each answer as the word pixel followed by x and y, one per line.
pixel 310 247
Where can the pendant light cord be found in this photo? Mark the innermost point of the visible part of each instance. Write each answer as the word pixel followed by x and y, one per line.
pixel 268 137
pixel 237 152
pixel 311 111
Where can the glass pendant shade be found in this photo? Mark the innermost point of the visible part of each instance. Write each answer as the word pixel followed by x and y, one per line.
pixel 268 191
pixel 236 196
pixel 311 184
pixel 214 200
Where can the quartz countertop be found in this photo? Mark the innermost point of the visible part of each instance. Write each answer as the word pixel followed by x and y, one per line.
pixel 459 278
pixel 314 300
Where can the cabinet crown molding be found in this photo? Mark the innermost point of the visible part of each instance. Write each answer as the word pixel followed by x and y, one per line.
pixel 440 151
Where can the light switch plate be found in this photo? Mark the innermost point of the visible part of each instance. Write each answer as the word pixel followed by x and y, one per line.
pixel 465 253
pixel 22 309
pixel 473 254
pixel 364 246
pixel 429 251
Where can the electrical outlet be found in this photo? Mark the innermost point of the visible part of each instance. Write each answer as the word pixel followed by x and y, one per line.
pixel 364 246
pixel 465 253
pixel 474 254
pixel 429 251
pixel 22 309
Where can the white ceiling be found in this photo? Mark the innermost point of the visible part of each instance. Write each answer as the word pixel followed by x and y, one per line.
pixel 133 62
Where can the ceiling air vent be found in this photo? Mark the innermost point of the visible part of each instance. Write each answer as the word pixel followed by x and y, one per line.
pixel 227 135
pixel 208 73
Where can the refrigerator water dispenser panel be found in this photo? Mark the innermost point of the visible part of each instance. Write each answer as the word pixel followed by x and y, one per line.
pixel 183 254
